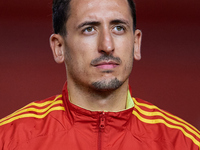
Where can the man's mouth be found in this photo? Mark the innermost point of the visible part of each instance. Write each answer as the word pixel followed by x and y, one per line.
pixel 106 62
pixel 106 65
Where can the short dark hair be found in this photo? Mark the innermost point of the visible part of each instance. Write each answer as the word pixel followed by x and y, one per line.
pixel 133 12
pixel 61 13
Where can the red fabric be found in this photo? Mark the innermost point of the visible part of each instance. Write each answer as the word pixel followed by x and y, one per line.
pixel 80 129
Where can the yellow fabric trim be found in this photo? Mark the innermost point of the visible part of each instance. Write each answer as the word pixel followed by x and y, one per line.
pixel 167 118
pixel 129 101
pixel 33 109
pixel 154 121
pixel 33 115
pixel 40 104
pixel 155 107
pixel 31 104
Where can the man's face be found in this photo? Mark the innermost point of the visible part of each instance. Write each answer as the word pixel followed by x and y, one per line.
pixel 99 43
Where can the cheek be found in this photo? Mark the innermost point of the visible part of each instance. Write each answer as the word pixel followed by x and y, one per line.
pixel 79 54
pixel 126 51
pixel 75 51
pixel 128 61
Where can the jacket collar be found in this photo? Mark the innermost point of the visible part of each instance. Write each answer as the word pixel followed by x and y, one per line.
pixel 77 114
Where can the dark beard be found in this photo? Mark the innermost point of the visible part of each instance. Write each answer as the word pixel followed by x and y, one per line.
pixel 107 86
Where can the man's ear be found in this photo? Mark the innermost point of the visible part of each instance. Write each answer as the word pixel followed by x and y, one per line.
pixel 137 44
pixel 57 47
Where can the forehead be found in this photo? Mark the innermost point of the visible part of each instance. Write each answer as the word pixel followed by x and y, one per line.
pixel 81 10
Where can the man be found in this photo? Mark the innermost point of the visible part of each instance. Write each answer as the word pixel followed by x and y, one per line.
pixel 97 41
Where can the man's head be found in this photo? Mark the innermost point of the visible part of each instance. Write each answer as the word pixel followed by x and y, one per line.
pixel 100 45
pixel 61 13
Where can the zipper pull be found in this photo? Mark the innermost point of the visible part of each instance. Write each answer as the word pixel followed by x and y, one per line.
pixel 102 121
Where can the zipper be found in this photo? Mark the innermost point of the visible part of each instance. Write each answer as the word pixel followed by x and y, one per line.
pixel 101 128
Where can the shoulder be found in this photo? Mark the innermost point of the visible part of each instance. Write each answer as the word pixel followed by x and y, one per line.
pixel 28 121
pixel 165 124
pixel 37 109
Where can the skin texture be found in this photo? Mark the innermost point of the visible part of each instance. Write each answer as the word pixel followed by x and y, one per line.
pixel 98 53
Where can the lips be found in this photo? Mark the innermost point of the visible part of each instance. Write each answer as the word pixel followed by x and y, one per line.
pixel 106 62
pixel 106 65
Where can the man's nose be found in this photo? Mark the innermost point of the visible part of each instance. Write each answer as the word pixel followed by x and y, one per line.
pixel 106 43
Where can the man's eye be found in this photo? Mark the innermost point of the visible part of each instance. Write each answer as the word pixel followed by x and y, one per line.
pixel 89 29
pixel 119 28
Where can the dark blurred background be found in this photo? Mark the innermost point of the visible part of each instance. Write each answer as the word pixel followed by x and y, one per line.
pixel 168 74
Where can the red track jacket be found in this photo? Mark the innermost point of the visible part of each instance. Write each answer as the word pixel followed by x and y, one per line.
pixel 57 124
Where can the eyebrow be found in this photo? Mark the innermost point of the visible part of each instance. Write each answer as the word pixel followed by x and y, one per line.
pixel 94 23
pixel 118 21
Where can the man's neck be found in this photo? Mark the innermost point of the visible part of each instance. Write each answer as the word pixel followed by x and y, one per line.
pixel 95 100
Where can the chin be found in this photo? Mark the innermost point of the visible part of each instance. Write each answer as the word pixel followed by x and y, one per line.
pixel 104 85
